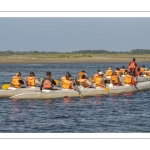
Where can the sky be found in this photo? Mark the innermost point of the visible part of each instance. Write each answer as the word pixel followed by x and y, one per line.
pixel 67 34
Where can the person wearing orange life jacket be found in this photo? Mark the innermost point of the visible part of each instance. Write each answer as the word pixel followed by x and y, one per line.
pixel 67 82
pixel 138 73
pixel 122 70
pixel 81 73
pixel 108 75
pixel 84 82
pixel 129 80
pixel 133 67
pixel 31 80
pixel 17 80
pixel 115 79
pixel 142 69
pixel 98 79
pixel 48 82
pixel 117 71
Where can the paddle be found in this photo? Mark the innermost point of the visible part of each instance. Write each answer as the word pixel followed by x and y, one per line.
pixel 6 86
pixel 80 94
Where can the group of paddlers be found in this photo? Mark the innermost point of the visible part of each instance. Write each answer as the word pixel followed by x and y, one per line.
pixel 99 79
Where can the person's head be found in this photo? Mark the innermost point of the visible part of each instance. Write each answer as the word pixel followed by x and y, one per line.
pixel 109 68
pixel 100 73
pixel 18 74
pixel 126 72
pixel 83 76
pixel 117 69
pixel 138 69
pixel 48 74
pixel 123 67
pixel 68 75
pixel 83 71
pixel 32 74
pixel 143 66
pixel 134 59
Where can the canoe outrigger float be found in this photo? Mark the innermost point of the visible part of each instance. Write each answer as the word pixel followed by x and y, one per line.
pixel 34 93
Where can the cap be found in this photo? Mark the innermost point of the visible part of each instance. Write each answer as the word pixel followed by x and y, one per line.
pixel 100 73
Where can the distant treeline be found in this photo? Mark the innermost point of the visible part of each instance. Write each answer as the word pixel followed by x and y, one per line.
pixel 134 51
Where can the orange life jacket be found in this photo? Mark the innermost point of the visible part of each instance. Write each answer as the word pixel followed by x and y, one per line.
pixel 63 78
pixel 108 73
pixel 115 80
pixel 47 84
pixel 142 69
pixel 129 80
pixel 66 84
pixel 15 81
pixel 98 80
pixel 132 65
pixel 122 71
pixel 117 72
pixel 31 81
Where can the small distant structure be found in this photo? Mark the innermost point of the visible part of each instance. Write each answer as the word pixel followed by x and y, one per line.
pixel 145 58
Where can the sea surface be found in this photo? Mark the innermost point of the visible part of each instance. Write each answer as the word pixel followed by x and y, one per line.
pixel 120 113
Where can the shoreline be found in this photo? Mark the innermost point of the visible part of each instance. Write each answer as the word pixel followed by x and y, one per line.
pixel 69 60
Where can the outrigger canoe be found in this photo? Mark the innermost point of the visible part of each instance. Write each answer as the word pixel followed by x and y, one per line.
pixel 48 94
pixel 62 92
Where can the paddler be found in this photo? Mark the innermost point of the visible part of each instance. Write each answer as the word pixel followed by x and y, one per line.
pixel 129 80
pixel 115 79
pixel 17 80
pixel 31 80
pixel 48 83
pixel 108 75
pixel 98 79
pixel 67 81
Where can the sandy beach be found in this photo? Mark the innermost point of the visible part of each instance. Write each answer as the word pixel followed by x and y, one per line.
pixel 69 60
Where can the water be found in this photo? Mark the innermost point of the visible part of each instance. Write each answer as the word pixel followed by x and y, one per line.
pixel 120 113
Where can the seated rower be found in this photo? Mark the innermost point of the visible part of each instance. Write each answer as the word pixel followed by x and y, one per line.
pixel 48 82
pixel 115 79
pixel 17 80
pixel 129 80
pixel 138 73
pixel 122 70
pixel 85 82
pixel 67 82
pixel 142 69
pixel 30 81
pixel 98 79
pixel 81 73
pixel 108 75
pixel 117 71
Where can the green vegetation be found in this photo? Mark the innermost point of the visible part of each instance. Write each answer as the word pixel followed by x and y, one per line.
pixel 74 54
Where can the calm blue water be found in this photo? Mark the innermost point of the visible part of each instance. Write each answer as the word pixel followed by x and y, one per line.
pixel 122 113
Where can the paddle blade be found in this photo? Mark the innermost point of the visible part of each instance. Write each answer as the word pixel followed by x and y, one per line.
pixel 106 89
pixel 57 82
pixel 5 86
